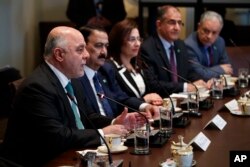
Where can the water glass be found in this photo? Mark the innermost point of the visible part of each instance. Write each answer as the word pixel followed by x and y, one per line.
pixel 217 88
pixel 243 77
pixel 193 102
pixel 141 138
pixel 166 120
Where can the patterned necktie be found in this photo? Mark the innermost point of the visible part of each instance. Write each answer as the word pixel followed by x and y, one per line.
pixel 70 91
pixel 173 64
pixel 105 104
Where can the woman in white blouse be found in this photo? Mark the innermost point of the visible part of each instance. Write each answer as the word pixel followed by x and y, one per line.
pixel 124 46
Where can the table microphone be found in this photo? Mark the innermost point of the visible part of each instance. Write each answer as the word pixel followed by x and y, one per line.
pixel 206 68
pixel 178 119
pixel 228 90
pixel 196 114
pixel 100 95
pixel 111 163
pixel 117 102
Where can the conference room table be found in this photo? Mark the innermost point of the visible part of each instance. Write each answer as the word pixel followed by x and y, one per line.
pixel 235 136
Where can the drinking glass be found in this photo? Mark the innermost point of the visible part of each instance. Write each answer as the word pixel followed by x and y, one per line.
pixel 141 138
pixel 217 88
pixel 243 77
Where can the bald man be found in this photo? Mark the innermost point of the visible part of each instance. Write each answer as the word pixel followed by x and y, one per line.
pixel 44 123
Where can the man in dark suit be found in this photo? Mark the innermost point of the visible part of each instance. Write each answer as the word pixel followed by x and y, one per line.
pixel 164 49
pixel 43 124
pixel 97 43
pixel 102 12
pixel 207 49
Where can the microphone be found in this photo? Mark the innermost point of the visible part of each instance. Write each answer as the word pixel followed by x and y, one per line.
pixel 192 113
pixel 117 102
pixel 228 90
pixel 128 141
pixel 206 68
pixel 111 163
pixel 178 119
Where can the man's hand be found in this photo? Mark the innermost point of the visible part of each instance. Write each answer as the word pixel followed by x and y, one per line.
pixel 227 68
pixel 152 111
pixel 153 98
pixel 198 83
pixel 115 129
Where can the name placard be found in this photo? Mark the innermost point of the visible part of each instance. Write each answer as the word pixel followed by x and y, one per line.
pixel 217 122
pixel 201 141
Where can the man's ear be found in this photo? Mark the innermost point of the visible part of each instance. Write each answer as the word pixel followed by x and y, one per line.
pixel 58 54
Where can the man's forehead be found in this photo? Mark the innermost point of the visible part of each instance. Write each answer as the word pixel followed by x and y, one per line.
pixel 172 13
pixel 98 36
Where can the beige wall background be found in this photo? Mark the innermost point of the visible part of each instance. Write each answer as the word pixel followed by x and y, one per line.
pixel 19 39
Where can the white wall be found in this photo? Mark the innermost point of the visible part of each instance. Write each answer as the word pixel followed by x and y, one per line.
pixel 19 40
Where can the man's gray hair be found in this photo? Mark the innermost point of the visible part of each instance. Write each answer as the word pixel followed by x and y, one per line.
pixel 52 42
pixel 211 15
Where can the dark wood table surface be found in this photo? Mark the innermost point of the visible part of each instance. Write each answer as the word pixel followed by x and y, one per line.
pixel 234 136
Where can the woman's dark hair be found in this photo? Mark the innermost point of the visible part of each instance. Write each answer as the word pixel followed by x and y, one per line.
pixel 118 35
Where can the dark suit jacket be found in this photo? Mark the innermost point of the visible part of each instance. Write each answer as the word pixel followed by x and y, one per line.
pixel 111 89
pixel 196 52
pixel 154 55
pixel 42 123
pixel 126 82
pixel 80 11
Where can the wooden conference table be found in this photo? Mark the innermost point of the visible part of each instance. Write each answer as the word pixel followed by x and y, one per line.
pixel 234 136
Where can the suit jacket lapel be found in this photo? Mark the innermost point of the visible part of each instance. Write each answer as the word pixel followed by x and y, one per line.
pixel 89 93
pixel 161 51
pixel 60 92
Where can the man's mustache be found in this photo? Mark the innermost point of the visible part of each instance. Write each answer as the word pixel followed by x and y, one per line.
pixel 102 56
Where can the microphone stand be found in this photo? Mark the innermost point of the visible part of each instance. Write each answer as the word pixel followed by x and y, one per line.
pixel 195 114
pixel 111 163
pixel 117 102
pixel 179 120
pixel 233 91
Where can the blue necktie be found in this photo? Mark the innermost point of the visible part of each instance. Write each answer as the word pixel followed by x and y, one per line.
pixel 105 104
pixel 70 91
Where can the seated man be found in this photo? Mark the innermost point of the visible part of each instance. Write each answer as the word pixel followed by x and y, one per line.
pixel 207 49
pixel 164 52
pixel 101 77
pixel 45 121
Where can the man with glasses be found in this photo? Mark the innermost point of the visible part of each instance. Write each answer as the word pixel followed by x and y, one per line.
pixel 165 50
pixel 100 78
pixel 207 49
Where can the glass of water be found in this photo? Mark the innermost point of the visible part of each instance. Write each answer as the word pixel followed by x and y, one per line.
pixel 166 120
pixel 243 77
pixel 141 138
pixel 217 88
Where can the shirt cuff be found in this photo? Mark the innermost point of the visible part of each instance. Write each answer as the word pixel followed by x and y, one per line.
pixel 101 133
pixel 143 106
pixel 185 85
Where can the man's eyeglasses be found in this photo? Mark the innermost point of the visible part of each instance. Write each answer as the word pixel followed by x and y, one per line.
pixel 134 39
pixel 174 22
